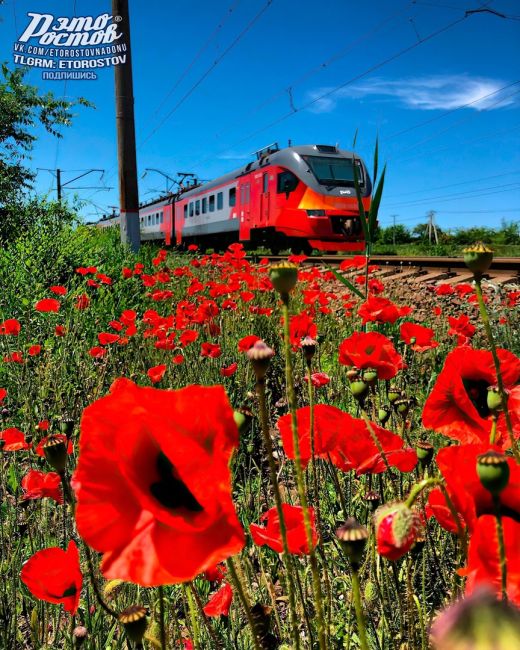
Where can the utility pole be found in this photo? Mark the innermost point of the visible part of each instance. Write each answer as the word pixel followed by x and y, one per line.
pixel 393 231
pixel 126 149
pixel 432 228
pixel 58 184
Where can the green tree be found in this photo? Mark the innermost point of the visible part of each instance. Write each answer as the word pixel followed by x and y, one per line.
pixel 22 108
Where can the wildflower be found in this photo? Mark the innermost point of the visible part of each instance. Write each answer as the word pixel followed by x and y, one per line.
pixel 396 529
pixel 220 602
pixel 13 439
pixel 10 327
pixel 153 484
pixel 39 485
pixel 418 337
pixel 156 373
pixel 48 305
pixel 54 575
pixel 270 535
pixel 371 350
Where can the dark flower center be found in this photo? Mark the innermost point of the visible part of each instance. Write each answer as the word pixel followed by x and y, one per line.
pixel 70 591
pixel 477 393
pixel 169 490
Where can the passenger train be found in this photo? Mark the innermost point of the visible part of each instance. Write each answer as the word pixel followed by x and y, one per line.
pixel 299 197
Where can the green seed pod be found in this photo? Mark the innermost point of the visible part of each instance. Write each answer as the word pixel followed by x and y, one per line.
pixel 424 452
pixel 359 389
pixel 133 619
pixel 394 393
pixel 370 376
pixel 494 399
pixel 383 415
pixel 283 276
pixel 243 418
pixel 493 471
pixel 478 258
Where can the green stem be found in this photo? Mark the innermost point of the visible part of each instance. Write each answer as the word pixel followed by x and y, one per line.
pixel 501 547
pixel 162 625
pixel 235 579
pixel 94 583
pixel 264 425
pixel 299 473
pixel 203 616
pixel 359 610
pixel 500 382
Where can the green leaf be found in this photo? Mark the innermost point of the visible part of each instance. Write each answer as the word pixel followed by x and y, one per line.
pixel 376 200
pixel 347 283
pixel 362 215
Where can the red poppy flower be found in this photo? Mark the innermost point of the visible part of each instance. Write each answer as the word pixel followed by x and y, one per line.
pixel 461 326
pixel 356 262
pixel 10 327
pixel 153 484
pixel 211 350
pixel 345 441
pixel 300 326
pixel 229 370
pixel 381 310
pixel 247 342
pixel 483 566
pixel 470 498
pixel 177 359
pixel 97 352
pixel 319 379
pixel 106 338
pixel 3 394
pixel 187 337
pixel 371 350
pixel 34 350
pixel 14 357
pixel 59 290
pixel 57 436
pixel 464 289
pixel 193 247
pixel 444 290
pixel 296 538
pixel 156 373
pixel 43 425
pixel 13 439
pixel 54 575
pixel 220 602
pixel 47 305
pixel 418 337
pixel 457 406
pixel 59 330
pixel 38 485
pixel 216 573
pixel 396 529
pixel 82 302
pixel 126 273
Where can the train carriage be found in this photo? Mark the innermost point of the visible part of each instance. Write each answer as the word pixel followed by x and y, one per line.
pixel 300 197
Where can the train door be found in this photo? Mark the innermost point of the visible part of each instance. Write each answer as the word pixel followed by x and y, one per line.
pixel 264 200
pixel 245 202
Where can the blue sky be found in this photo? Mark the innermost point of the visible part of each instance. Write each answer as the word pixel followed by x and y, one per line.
pixel 216 80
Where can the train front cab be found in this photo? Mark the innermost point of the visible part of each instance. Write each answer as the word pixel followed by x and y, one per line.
pixel 277 209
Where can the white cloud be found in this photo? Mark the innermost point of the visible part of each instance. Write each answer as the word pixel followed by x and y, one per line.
pixel 439 92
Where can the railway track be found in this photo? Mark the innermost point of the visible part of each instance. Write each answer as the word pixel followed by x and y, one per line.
pixel 449 270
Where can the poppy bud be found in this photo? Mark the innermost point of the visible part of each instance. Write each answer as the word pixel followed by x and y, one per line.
pixel 283 276
pixel 352 537
pixel 394 393
pixel 370 376
pixel 55 452
pixel 260 355
pixel 396 528
pixel 424 452
pixel 478 258
pixel 493 471
pixel 243 418
pixel 80 635
pixel 308 346
pixel 494 399
pixel 372 499
pixel 134 621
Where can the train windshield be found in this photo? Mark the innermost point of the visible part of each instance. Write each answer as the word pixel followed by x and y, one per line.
pixel 333 171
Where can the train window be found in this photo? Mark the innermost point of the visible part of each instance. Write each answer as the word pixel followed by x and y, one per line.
pixel 287 182
pixel 220 201
pixel 265 183
pixel 186 211
pixel 148 219
pixel 204 205
pixel 161 217
pixel 212 203
pixel 197 207
pixel 232 196
pixel 191 209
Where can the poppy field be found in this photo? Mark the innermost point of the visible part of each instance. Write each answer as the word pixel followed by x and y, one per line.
pixel 202 451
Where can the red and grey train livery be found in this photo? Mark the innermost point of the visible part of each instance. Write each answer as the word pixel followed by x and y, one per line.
pixel 300 197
